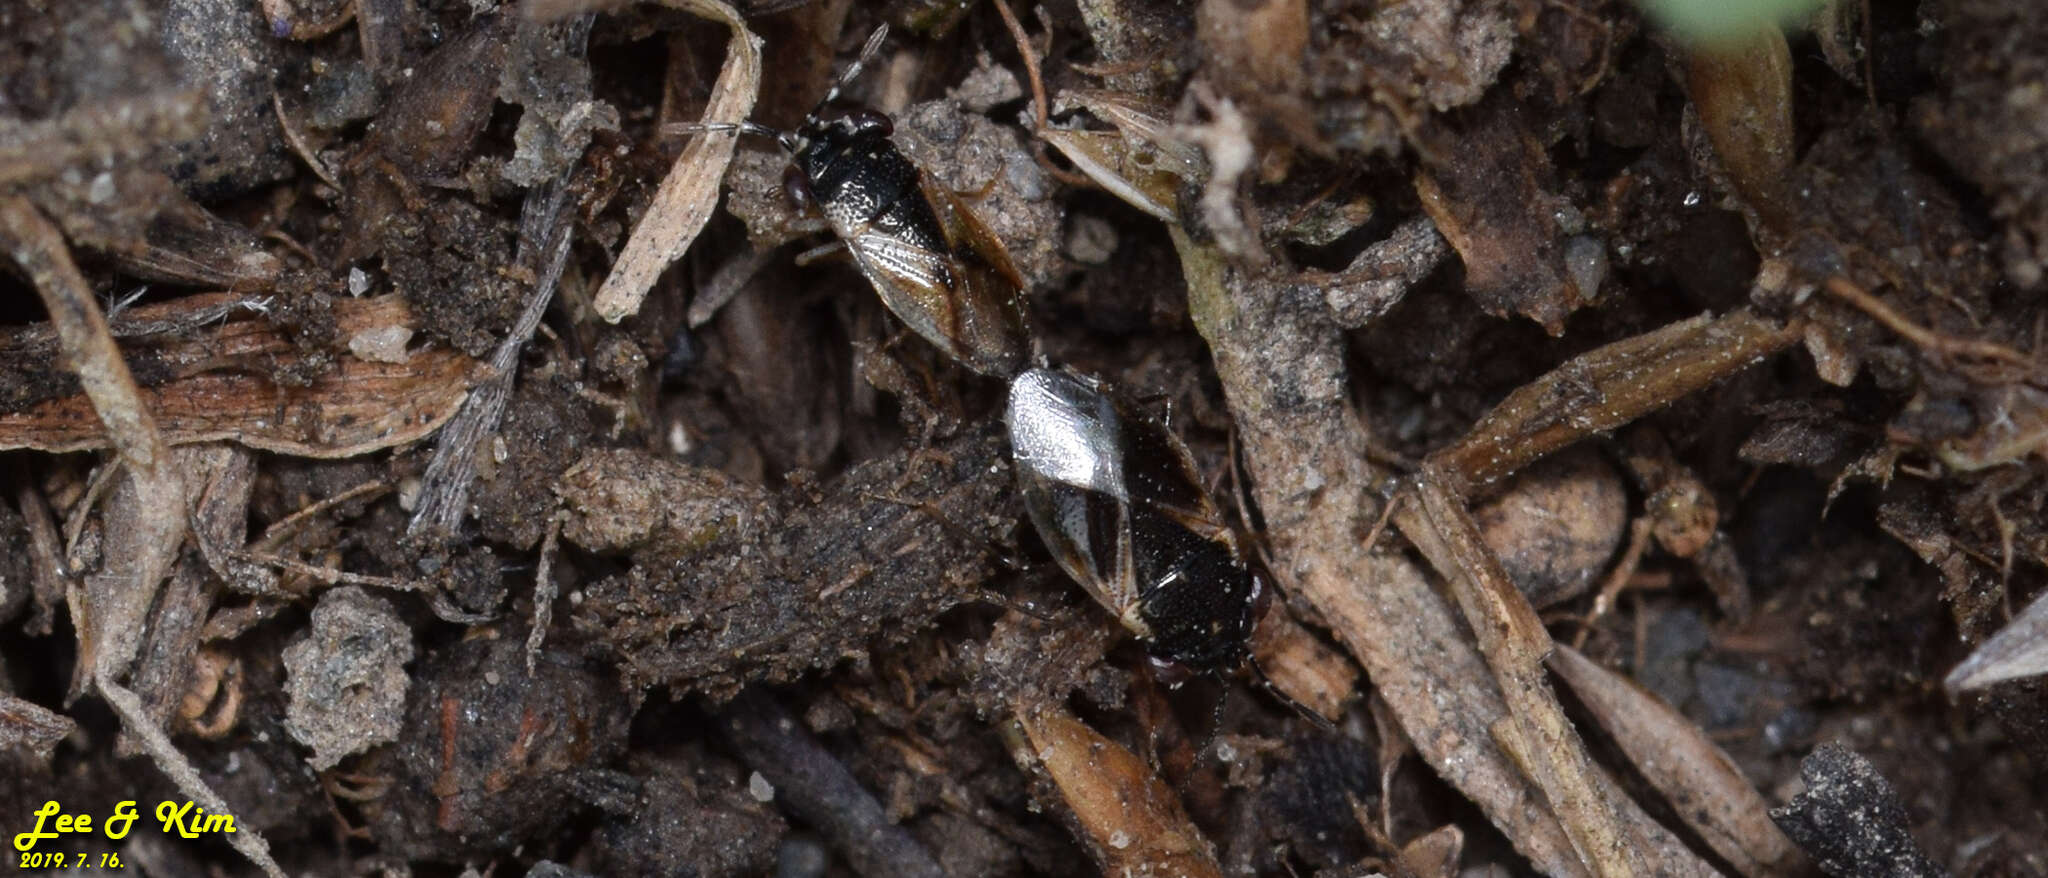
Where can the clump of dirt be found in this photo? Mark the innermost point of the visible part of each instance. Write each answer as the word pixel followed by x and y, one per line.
pixel 333 499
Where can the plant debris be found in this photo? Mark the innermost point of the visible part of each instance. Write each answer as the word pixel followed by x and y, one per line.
pixel 434 436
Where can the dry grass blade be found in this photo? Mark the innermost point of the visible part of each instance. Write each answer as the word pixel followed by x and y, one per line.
pixel 146 513
pixel 690 191
pixel 1132 822
pixel 1104 157
pixel 2020 649
pixel 1514 642
pixel 1607 387
pixel 29 726
pixel 145 516
pixel 1282 368
pixel 223 384
pixel 544 245
pixel 88 345
pixel 1703 785
pixel 135 718
pixel 1284 378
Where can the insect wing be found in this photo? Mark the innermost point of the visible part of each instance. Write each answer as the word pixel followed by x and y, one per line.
pixel 1161 476
pixel 952 282
pixel 988 287
pixel 1066 440
pixel 972 241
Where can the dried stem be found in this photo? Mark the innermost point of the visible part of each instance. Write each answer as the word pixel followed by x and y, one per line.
pixel 690 191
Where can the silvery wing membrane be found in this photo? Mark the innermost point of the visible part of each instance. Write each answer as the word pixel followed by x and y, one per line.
pixel 1063 430
pixel 1064 438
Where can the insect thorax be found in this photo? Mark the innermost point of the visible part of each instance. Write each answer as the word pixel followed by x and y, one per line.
pixel 1195 597
pixel 857 176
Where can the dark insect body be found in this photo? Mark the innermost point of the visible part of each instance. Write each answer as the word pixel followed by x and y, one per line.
pixel 1114 495
pixel 933 262
pixel 1117 501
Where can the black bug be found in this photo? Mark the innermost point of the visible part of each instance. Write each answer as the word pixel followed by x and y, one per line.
pixel 1114 495
pixel 1116 499
pixel 933 262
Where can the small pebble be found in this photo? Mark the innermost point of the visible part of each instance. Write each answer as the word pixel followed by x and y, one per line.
pixel 801 857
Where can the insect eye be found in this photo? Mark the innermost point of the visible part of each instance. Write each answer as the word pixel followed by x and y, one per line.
pixel 1170 673
pixel 797 187
pixel 864 121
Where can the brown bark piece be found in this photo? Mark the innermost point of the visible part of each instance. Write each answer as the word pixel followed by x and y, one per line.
pixel 1705 788
pixel 1492 194
pixel 1133 823
pixel 224 386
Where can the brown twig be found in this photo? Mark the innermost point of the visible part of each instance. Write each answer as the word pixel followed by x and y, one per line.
pixel 1617 579
pixel 32 728
pixel 1039 107
pixel 817 787
pixel 543 592
pixel 81 328
pixel 1927 339
pixel 1024 50
pixel 1284 378
pixel 277 533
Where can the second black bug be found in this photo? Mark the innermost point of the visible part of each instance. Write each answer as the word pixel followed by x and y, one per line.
pixel 932 261
pixel 1116 499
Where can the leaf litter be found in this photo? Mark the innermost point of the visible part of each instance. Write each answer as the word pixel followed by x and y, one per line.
pixel 433 461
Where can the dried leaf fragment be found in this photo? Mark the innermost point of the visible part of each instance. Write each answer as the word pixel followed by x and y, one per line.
pixel 1132 822
pixel 2020 649
pixel 1851 820
pixel 1493 194
pixel 1705 788
pixel 1112 163
pixel 690 191
pixel 222 385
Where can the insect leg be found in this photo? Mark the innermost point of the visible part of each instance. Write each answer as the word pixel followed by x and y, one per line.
pixel 819 252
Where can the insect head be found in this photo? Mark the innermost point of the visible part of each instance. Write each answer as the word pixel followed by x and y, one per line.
pixel 933 262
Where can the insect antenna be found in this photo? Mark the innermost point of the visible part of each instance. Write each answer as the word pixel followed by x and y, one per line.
pixel 852 72
pixel 684 129
pixel 1259 678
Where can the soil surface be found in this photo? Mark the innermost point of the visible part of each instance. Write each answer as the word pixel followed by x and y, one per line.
pixel 1640 439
